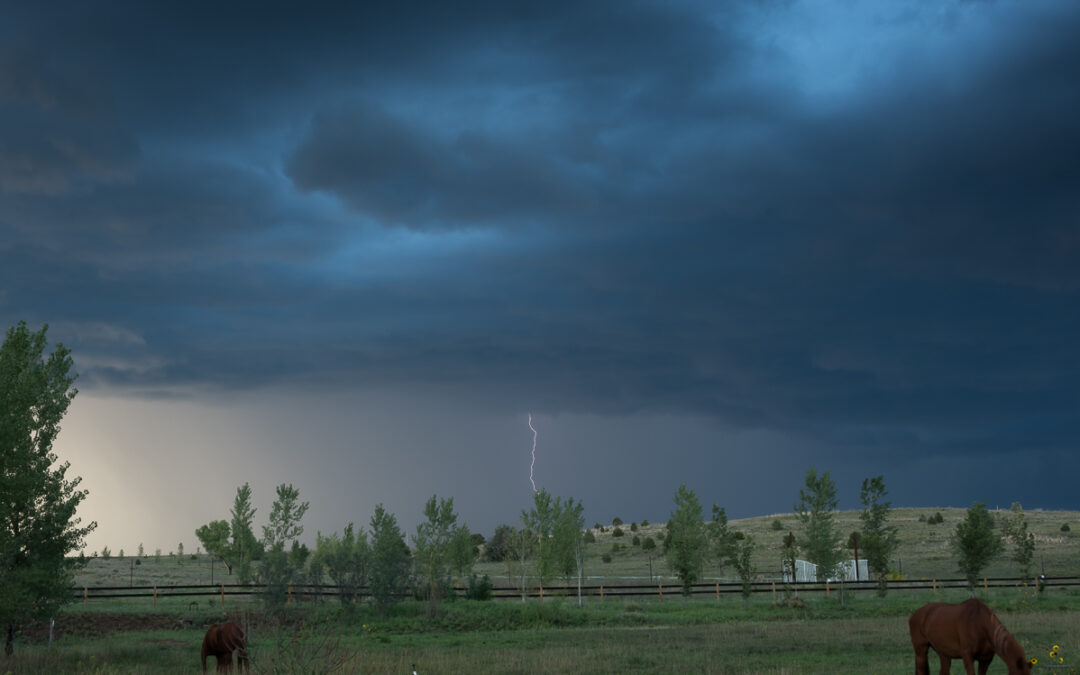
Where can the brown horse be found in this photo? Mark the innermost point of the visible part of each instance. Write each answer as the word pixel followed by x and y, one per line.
pixel 221 641
pixel 968 631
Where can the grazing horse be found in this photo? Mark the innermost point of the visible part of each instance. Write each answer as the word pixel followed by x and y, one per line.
pixel 968 631
pixel 221 641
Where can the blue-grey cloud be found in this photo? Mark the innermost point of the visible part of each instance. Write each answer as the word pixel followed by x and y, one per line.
pixel 856 228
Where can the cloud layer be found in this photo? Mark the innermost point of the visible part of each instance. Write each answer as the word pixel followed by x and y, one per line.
pixel 853 226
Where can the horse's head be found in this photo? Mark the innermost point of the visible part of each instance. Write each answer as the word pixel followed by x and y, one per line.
pixel 1009 649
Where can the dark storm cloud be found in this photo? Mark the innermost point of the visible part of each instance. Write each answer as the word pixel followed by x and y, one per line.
pixel 675 220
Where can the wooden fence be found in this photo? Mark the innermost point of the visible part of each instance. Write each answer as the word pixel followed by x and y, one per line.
pixel 218 592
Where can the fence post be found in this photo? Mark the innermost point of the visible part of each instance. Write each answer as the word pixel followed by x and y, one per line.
pixel 935 586
pixel 986 588
pixel 601 591
pixel 718 591
pixel 541 592
pixel 661 587
pixel 826 588
pixel 288 600
pixel 155 595
pixel 222 595
pixel 774 591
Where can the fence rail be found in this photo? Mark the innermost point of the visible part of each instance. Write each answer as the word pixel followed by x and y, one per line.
pixel 660 589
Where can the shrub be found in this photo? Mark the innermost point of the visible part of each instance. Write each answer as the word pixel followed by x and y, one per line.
pixel 616 521
pixel 644 523
pixel 777 525
pixel 589 537
pixel 1064 527
pixel 606 557
pixel 479 587
pixel 105 553
pixel 617 532
pixel 636 540
pixel 938 518
pixel 649 544
pixel 616 547
pixel 922 517
pixel 633 527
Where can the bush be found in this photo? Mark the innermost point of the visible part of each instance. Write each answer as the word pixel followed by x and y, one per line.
pixel 636 540
pixel 922 517
pixel 1064 527
pixel 777 525
pixel 606 557
pixel 633 527
pixel 616 547
pixel 616 521
pixel 105 553
pixel 589 537
pixel 617 532
pixel 649 544
pixel 479 587
pixel 644 523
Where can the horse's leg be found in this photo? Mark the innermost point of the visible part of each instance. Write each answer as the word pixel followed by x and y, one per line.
pixel 985 665
pixel 969 664
pixel 922 648
pixel 946 664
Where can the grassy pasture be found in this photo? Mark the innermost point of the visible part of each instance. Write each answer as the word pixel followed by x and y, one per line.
pixel 638 635
pixel 613 636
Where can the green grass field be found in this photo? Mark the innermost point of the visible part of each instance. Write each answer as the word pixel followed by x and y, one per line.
pixel 815 634
pixel 610 636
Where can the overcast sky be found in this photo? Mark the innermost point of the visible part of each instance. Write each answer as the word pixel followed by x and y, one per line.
pixel 353 248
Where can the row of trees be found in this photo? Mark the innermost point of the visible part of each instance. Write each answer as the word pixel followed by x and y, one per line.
pixel 551 543
pixel 378 559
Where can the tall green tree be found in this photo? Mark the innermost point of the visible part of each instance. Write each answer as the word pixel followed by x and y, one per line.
pixel 568 539
pixel 244 547
pixel 214 536
pixel 279 566
pixel 38 525
pixel 975 543
pixel 540 521
pixel 432 543
pixel 742 558
pixel 1015 527
pixel 821 539
pixel 345 559
pixel 688 541
pixel 722 538
pixel 499 545
pixel 463 552
pixel 390 560
pixel 879 539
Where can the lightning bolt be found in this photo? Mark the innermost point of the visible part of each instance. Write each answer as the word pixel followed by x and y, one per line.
pixel 533 464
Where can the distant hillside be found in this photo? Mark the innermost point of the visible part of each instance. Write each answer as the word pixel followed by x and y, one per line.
pixel 923 551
